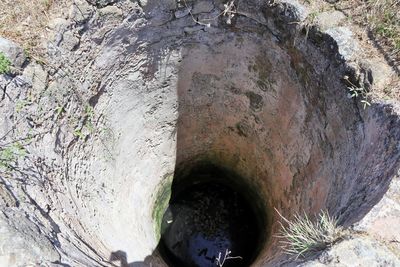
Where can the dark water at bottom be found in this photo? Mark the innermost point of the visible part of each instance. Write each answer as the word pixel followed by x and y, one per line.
pixel 205 220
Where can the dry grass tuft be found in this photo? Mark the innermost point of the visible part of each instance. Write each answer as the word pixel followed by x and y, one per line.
pixel 383 18
pixel 301 235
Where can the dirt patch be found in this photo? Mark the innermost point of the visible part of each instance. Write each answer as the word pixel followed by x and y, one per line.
pixel 381 20
pixel 25 22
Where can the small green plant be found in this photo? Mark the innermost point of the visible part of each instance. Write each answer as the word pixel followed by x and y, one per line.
pixel 21 104
pixel 59 110
pixel 47 3
pixel 358 91
pixel 10 154
pixel 301 235
pixel 82 127
pixel 397 44
pixel 78 133
pixel 89 111
pixel 4 64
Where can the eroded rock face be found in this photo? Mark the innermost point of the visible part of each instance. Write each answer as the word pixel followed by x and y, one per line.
pixel 134 97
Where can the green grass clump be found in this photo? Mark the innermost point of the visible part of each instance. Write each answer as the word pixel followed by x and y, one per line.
pixel 4 64
pixel 10 154
pixel 301 235
pixel 384 19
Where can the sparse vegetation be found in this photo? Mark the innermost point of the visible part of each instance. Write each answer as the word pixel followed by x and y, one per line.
pixel 228 12
pixel 4 64
pixel 78 133
pixel 87 127
pixel 381 19
pixel 21 104
pixel 10 154
pixel 25 22
pixel 384 19
pixel 358 91
pixel 301 235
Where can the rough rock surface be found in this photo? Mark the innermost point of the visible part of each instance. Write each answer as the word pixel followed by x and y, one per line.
pixel 357 252
pixel 133 91
pixel 102 3
pixel 13 52
pixel 328 19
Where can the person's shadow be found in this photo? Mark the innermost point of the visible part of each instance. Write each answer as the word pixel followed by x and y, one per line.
pixel 120 259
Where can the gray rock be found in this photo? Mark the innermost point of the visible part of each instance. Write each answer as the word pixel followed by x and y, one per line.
pixel 294 11
pixel 202 7
pixel 347 45
pixel 143 3
pixel 21 241
pixel 360 251
pixel 13 52
pixel 69 41
pixel 182 12
pixel 35 75
pixel 330 19
pixel 58 24
pixel 80 11
pixel 6 197
pixel 378 71
pixel 102 3
pixel 190 30
pixel 170 4
pixel 111 11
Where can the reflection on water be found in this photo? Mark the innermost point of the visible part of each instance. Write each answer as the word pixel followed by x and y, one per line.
pixel 205 220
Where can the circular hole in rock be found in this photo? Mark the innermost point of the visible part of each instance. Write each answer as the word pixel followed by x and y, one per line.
pixel 209 219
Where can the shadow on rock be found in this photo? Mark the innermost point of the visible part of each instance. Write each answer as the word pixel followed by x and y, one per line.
pixel 119 258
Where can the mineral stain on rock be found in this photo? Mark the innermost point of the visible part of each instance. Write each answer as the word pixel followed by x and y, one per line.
pixel 205 220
